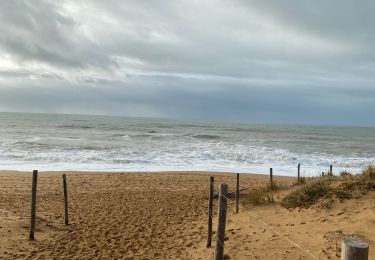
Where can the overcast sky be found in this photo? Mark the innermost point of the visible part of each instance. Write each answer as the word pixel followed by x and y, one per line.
pixel 274 61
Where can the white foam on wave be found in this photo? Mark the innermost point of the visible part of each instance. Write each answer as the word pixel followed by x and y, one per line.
pixel 194 157
pixel 147 145
pixel 34 139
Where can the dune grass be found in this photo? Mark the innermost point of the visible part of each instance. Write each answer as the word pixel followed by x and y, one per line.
pixel 263 195
pixel 257 197
pixel 306 195
pixel 344 186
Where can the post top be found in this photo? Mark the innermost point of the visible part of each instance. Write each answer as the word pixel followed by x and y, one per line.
pixel 354 243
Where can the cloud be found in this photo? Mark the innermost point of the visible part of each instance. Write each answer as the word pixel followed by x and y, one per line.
pixel 265 61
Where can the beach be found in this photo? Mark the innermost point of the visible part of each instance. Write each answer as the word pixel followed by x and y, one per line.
pixel 173 130
pixel 164 216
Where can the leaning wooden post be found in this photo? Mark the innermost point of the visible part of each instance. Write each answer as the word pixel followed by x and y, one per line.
pixel 330 170
pixel 271 179
pixel 210 203
pixel 354 250
pixel 65 199
pixel 299 170
pixel 237 191
pixel 33 204
pixel 220 234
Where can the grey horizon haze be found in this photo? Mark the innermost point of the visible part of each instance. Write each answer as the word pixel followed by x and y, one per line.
pixel 291 61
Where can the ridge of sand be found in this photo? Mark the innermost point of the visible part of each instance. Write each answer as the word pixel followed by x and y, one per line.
pixel 163 216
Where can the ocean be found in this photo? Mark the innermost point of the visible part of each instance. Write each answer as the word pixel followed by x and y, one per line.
pixel 103 143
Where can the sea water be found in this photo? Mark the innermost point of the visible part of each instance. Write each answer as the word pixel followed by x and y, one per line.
pixel 104 143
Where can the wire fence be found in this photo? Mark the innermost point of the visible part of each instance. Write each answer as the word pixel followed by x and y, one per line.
pixel 265 224
pixel 253 215
pixel 283 236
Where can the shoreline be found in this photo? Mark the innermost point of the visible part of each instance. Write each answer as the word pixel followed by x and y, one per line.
pixel 288 171
pixel 205 173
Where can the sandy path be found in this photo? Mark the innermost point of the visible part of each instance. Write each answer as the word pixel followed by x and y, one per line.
pixel 142 216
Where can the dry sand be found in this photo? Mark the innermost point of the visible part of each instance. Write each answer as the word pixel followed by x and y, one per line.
pixel 164 216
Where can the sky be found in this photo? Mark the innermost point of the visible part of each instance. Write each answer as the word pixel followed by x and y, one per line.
pixel 274 61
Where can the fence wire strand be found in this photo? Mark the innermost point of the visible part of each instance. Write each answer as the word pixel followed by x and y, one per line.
pixel 274 230
pixel 283 236
pixel 221 243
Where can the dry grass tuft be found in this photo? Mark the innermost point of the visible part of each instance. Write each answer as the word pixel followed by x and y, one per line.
pixel 306 195
pixel 257 197
pixel 345 186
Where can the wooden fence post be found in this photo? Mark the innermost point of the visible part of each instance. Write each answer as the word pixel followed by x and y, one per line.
pixel 271 179
pixel 65 200
pixel 33 204
pixel 220 234
pixel 354 250
pixel 299 170
pixel 330 170
pixel 210 203
pixel 237 191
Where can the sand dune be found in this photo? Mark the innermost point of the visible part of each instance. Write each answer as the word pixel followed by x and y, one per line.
pixel 163 216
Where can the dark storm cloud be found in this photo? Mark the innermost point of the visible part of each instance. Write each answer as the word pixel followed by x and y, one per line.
pixel 269 61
